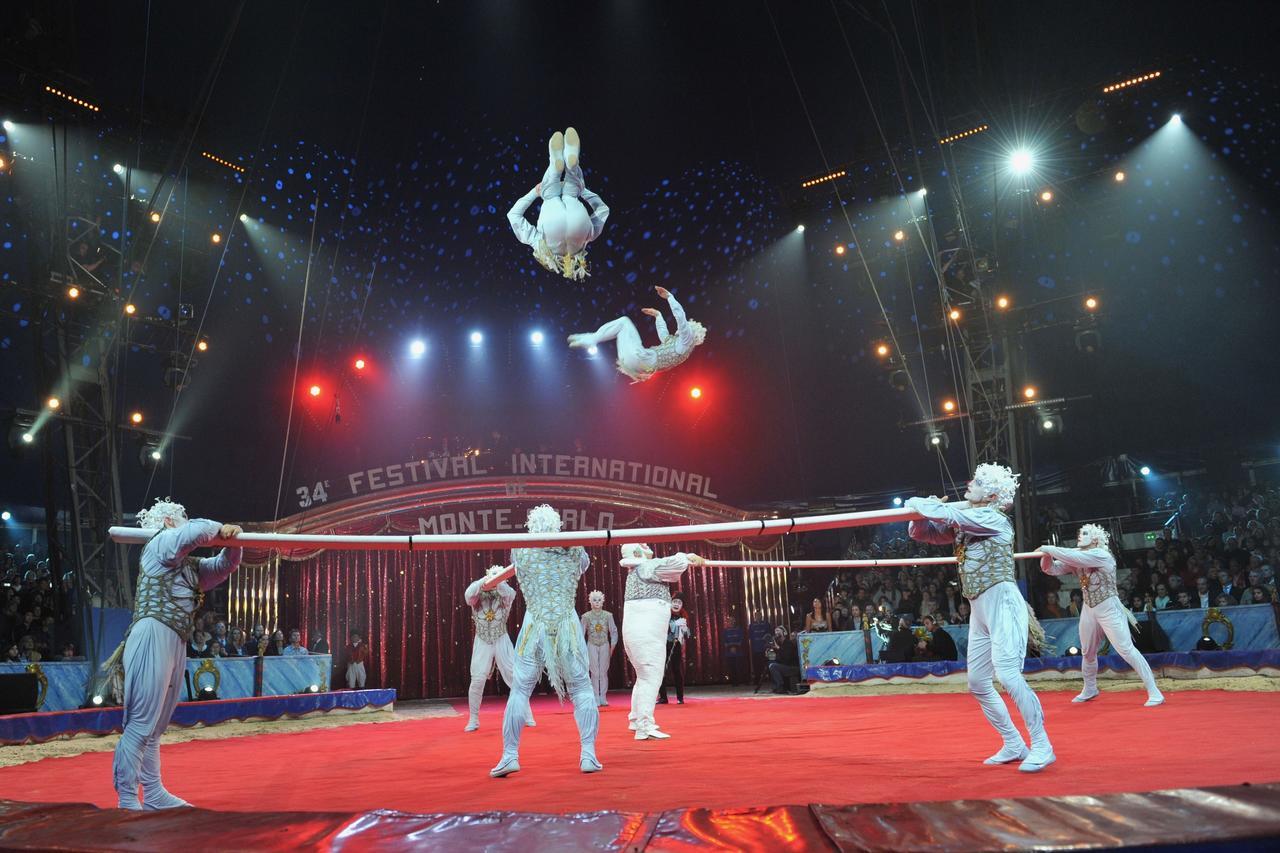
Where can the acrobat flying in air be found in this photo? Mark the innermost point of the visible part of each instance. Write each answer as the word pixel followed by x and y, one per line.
pixel 639 361
pixel 559 240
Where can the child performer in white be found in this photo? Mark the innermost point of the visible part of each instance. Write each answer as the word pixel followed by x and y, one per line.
pixel 636 360
pixel 602 639
pixel 170 589
pixel 550 637
pixel 983 536
pixel 1103 612
pixel 646 618
pixel 564 227
pixel 490 609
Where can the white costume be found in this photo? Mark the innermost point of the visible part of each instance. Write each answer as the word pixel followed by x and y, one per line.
pixel 1000 617
pixel 646 618
pixel 1103 611
pixel 170 588
pixel 602 638
pixel 564 228
pixel 642 363
pixel 550 637
pixel 490 609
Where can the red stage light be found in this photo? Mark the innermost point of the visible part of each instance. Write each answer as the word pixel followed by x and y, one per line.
pixel 315 390
pixel 695 392
pixel 360 362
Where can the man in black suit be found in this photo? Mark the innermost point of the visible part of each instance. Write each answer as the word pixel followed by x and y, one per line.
pixel 786 666
pixel 901 643
pixel 941 646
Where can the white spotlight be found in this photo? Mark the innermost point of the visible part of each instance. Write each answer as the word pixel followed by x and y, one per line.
pixel 118 169
pixel 8 125
pixel 417 349
pixel 536 338
pixel 6 515
pixel 97 700
pixel 897 501
pixel 1145 471
pixel 924 191
pixel 476 339
pixel 593 349
pixel 1021 161
pixel 244 217
pixel 1176 118
pixel 800 228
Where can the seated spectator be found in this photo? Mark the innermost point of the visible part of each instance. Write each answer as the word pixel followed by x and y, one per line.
pixel 939 645
pixel 816 619
pixel 198 645
pixel 295 646
pixel 276 645
pixel 214 649
pixel 1203 598
pixel 1225 600
pixel 27 651
pixel 786 665
pixel 963 610
pixel 257 641
pixel 12 655
pixel 320 646
pixel 1258 595
pixel 69 652
pixel 1162 599
pixel 235 646
pixel 1051 608
pixel 901 643
pixel 1077 603
pixel 1182 602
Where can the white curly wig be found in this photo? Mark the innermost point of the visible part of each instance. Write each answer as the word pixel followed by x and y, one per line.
pixel 543 519
pixel 153 519
pixel 1092 536
pixel 596 597
pixel 997 482
pixel 636 551
pixel 699 332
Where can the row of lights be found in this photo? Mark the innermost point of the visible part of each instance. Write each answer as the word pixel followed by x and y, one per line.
pixel 221 162
pixel 54 403
pixel 1132 81
pixel 813 182
pixel 956 137
pixel 1047 195
pixel 77 101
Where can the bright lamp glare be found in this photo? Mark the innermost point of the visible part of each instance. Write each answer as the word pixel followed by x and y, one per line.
pixel 476 339
pixel 593 349
pixel 27 438
pixel 536 338
pixel 6 515
pixel 244 217
pixel 314 390
pixel 155 454
pixel 800 229
pixel 1176 118
pixel 8 125
pixel 118 169
pixel 1021 161
pixel 897 501
pixel 695 392
pixel 1145 471
pixel 418 349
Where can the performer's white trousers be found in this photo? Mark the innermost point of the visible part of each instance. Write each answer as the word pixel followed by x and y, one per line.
pixel 997 647
pixel 644 635
pixel 355 675
pixel 1109 618
pixel 630 347
pixel 483 656
pixel 563 219
pixel 526 672
pixel 155 658
pixel 598 662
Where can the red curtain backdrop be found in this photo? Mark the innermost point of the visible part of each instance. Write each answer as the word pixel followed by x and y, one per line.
pixel 410 608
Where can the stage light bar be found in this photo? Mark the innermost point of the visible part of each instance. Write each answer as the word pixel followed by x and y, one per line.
pixel 1132 81
pixel 73 99
pixel 956 137
pixel 813 182
pixel 215 158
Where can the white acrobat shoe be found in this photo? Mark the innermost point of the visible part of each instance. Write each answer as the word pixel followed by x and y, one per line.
pixel 572 147
pixel 555 147
pixel 1086 695
pixel 1154 700
pixel 1038 759
pixel 505 767
pixel 472 724
pixel 590 764
pixel 1008 754
pixel 158 798
pixel 581 341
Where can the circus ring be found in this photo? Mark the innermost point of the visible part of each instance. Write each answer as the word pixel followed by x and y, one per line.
pixel 740 772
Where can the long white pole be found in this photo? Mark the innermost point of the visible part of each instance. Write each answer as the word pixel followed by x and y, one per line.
pixel 465 541
pixel 850 564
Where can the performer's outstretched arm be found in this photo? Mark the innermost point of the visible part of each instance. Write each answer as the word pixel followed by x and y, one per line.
pixel 524 232
pixel 1089 559
pixel 599 212
pixel 664 569
pixel 975 520
pixel 214 570
pixel 659 323
pixel 173 544
pixel 472 595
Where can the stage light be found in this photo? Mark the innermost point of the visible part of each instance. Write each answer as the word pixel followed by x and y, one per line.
pixel 1021 161
pixel 2 164
pixel 937 441
pixel 244 217
pixel 8 125
pixel 924 191
pixel 840 248
pixel 314 688
pixel 73 99
pixel 216 238
pixel 53 403
pixel 882 350
pixel 130 309
pixel 221 162
pixel 695 392
pixel 948 405
pixel 1073 651
pixel 155 216
pixel 1003 302
pixel 314 390
pixel 118 169
pixel 1029 393
pixel 1049 424
pixel 954 314
pixel 899 235
pixel 149 455
pixel 1119 176
pixel 1046 196
pixel 800 228
pixel 203 346
pixel 593 349
pixel 897 501
pixel 360 363
pixel 1176 118
pixel 900 380
pixel 6 515
pixel 476 339
pixel 28 437
pixel 207 693
pixel 955 137
pixel 136 417
pixel 1145 471
pixel 1091 303
pixel 1132 81
pixel 418 348
pixel 536 338
pixel 73 292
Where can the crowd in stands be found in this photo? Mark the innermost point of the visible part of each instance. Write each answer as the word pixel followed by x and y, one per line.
pixel 35 613
pixel 211 638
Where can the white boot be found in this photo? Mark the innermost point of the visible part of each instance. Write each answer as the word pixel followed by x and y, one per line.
pixel 590 765
pixel 1086 694
pixel 1008 754
pixel 472 724
pixel 505 767
pixel 158 798
pixel 555 148
pixel 1038 759
pixel 572 147
pixel 581 341
pixel 1154 699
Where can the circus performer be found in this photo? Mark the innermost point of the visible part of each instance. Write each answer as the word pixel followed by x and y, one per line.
pixel 998 627
pixel 564 228
pixel 550 638
pixel 638 361
pixel 646 621
pixel 1103 613
pixel 490 609
pixel 602 638
pixel 170 589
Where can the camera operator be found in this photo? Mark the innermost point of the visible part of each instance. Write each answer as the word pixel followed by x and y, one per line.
pixel 786 661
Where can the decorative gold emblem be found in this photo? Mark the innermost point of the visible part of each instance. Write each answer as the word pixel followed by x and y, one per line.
pixel 34 669
pixel 489 616
pixel 206 667
pixel 1216 615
